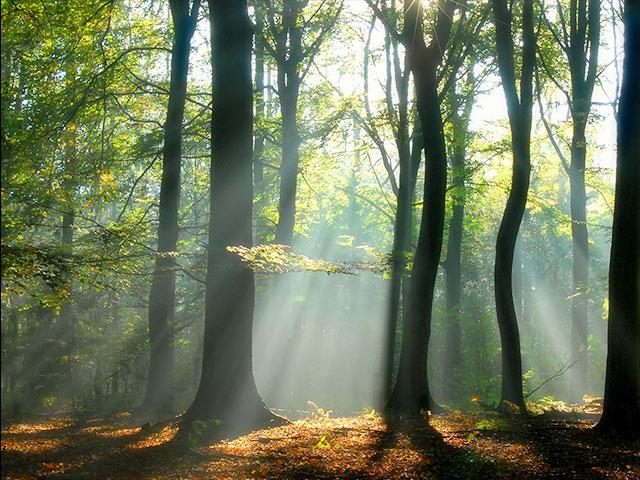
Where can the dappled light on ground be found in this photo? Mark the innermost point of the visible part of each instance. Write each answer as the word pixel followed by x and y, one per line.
pixel 452 446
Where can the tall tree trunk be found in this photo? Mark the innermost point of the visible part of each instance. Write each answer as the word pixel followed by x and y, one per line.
pixel 227 391
pixel 259 137
pixel 288 166
pixel 288 90
pixel 453 282
pixel 398 263
pixel 453 264
pixel 67 314
pixel 404 197
pixel 258 146
pixel 621 412
pixel 162 298
pixel 580 263
pixel 411 390
pixel 519 111
pixel 582 45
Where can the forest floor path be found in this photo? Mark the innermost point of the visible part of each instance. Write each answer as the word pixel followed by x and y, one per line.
pixel 482 445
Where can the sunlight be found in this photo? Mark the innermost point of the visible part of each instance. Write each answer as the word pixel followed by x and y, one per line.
pixel 317 337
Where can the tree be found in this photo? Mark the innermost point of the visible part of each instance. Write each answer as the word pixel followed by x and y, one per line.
pixel 621 409
pixel 162 299
pixel 519 109
pixel 411 390
pixel 293 57
pixel 580 43
pixel 227 391
pixel 409 151
pixel 460 106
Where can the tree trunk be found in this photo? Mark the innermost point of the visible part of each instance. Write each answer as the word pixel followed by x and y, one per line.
pixel 67 316
pixel 227 391
pixel 258 148
pixel 621 412
pixel 582 53
pixel 505 307
pixel 411 390
pixel 398 263
pixel 289 165
pixel 453 264
pixel 162 298
pixel 402 223
pixel 288 90
pixel 259 137
pixel 580 238
pixel 453 285
pixel 519 110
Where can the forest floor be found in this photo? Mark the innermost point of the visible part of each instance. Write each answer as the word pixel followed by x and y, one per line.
pixel 482 446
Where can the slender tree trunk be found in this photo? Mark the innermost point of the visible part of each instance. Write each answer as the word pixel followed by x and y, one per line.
pixel 505 307
pixel 398 263
pixel 258 145
pixel 259 137
pixel 621 412
pixel 580 238
pixel 402 223
pixel 411 390
pixel 67 314
pixel 519 110
pixel 453 284
pixel 162 299
pixel 582 52
pixel 289 165
pixel 453 264
pixel 227 391
pixel 288 89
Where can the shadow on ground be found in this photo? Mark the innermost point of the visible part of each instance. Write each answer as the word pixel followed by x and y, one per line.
pixel 348 448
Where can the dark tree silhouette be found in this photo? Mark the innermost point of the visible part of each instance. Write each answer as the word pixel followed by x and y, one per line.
pixel 519 110
pixel 409 148
pixel 460 104
pixel 293 57
pixel 162 299
pixel 227 391
pixel 411 390
pixel 621 409
pixel 580 43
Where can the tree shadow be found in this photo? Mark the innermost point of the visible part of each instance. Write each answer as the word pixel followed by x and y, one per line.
pixel 579 451
pixel 439 458
pixel 355 448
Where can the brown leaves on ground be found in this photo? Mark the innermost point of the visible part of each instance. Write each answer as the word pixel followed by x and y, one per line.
pixel 452 446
